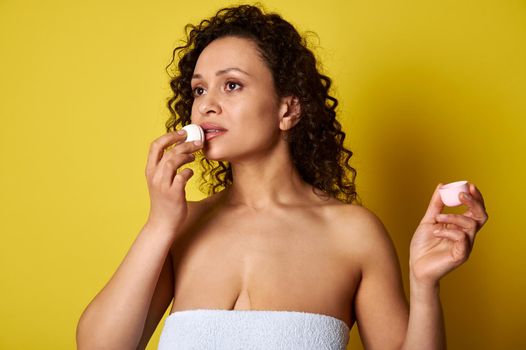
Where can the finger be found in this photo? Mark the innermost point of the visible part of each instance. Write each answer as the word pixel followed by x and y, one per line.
pixel 459 223
pixel 170 166
pixel 447 226
pixel 465 223
pixel 476 207
pixel 157 148
pixel 182 178
pixel 434 208
pixel 462 244
pixel 185 147
pixel 454 235
pixel 474 191
pixel 173 156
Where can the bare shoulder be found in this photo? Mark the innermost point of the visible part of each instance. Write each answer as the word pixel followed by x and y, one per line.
pixel 357 220
pixel 361 231
pixel 359 214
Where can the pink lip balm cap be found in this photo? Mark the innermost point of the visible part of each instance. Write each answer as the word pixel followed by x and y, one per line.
pixel 449 192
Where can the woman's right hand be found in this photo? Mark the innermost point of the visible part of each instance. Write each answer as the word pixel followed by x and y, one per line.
pixel 168 207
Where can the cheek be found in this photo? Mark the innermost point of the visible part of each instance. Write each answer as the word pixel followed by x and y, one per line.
pixel 254 122
pixel 257 109
pixel 193 110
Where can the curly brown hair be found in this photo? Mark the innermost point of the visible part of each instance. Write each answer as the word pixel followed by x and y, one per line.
pixel 316 142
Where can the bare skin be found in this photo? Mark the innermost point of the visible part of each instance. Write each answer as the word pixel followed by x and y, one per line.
pixel 238 258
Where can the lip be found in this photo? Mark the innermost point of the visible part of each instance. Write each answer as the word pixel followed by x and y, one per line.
pixel 207 126
pixel 209 136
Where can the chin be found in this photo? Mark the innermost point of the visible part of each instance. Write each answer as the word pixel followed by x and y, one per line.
pixel 215 157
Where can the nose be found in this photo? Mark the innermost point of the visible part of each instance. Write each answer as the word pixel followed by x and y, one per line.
pixel 209 104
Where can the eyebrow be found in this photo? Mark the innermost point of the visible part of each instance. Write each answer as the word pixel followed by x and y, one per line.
pixel 222 71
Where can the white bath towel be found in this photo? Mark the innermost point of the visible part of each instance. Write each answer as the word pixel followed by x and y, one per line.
pixel 205 329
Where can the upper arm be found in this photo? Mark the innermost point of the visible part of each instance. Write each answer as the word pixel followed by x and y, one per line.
pixel 161 299
pixel 380 304
pixel 164 290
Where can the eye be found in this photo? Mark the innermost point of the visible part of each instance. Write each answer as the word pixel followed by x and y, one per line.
pixel 198 91
pixel 231 86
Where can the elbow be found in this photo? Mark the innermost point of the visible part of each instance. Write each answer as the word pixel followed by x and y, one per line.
pixel 86 337
pixel 90 337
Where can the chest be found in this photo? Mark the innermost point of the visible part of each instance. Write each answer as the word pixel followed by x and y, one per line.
pixel 291 262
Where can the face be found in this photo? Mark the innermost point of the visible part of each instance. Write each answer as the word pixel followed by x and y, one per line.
pixel 234 89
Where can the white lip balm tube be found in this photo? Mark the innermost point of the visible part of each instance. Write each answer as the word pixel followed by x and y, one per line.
pixel 194 133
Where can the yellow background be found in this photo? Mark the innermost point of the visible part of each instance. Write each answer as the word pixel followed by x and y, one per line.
pixel 430 92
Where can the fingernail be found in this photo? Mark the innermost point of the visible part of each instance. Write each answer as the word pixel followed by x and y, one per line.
pixel 436 231
pixel 466 196
pixel 181 132
pixel 198 143
pixel 441 216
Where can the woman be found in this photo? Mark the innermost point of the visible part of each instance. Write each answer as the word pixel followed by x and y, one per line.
pixel 282 256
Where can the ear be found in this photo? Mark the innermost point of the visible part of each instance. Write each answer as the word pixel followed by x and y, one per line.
pixel 289 112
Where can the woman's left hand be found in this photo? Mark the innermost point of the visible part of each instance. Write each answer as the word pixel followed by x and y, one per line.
pixel 442 243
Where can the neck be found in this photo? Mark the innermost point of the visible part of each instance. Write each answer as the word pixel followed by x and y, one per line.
pixel 267 181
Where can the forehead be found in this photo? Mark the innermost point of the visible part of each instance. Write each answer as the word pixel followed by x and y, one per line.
pixel 230 52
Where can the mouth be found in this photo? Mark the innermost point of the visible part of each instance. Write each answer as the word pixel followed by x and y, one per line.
pixel 212 130
pixel 212 133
